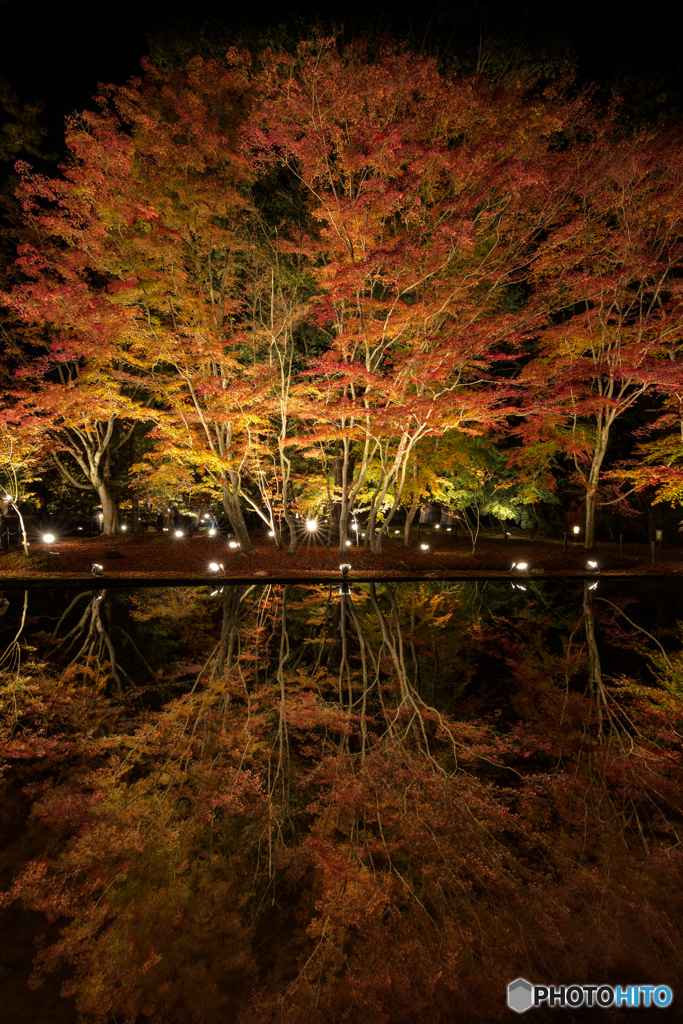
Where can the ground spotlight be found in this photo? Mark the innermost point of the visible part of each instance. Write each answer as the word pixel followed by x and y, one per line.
pixel 216 568
pixel 592 566
pixel 177 533
pixel 96 569
pixel 424 547
pixel 212 532
pixel 48 538
pixel 344 568
pixel 312 525
pixel 124 527
pixel 577 529
pixel 233 544
pixel 519 567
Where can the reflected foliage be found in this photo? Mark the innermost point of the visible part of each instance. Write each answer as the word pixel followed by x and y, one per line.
pixel 337 806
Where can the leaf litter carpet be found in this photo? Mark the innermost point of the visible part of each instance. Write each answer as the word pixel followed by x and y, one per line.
pixel 147 557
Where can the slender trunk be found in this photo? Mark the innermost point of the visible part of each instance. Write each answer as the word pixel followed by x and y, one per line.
pixel 335 508
pixel 346 470
pixel 593 487
pixel 414 508
pixel 24 538
pixel 289 518
pixel 233 510
pixel 410 519
pixel 136 515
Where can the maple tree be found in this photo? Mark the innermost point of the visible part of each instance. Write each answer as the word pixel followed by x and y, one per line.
pixel 609 267
pixel 417 237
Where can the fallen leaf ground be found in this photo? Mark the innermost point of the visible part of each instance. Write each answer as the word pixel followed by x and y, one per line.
pixel 151 555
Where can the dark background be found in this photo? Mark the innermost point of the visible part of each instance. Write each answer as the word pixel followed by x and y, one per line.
pixel 57 53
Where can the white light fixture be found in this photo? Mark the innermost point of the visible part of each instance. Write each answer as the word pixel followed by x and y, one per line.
pixel 312 525
pixel 344 568
pixel 348 543
pixel 124 527
pixel 355 527
pixel 519 566
pixel 212 532
pixel 424 547
pixel 396 531
pixel 216 568
pixel 178 533
pixel 233 544
pixel 448 529
pixel 271 533
pixel 48 538
pixel 577 529
pixel 438 526
pixel 96 569
pixel 592 566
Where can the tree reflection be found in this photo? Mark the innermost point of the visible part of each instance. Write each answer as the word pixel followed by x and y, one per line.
pixel 371 802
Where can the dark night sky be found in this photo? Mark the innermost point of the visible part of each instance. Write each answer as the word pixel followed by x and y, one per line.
pixel 59 52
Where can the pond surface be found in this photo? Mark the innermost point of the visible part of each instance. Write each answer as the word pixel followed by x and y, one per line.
pixel 148 635
pixel 311 803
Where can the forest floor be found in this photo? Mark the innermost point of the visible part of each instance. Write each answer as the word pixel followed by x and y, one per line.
pixel 153 558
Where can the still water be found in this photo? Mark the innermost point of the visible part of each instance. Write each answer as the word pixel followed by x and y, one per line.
pixel 331 803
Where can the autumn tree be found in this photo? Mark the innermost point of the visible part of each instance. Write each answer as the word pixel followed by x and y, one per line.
pixel 609 269
pixel 429 197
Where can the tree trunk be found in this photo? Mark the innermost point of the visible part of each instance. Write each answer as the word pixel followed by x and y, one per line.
pixel 413 510
pixel 593 484
pixel 110 516
pixel 410 519
pixel 136 515
pixel 285 469
pixel 233 510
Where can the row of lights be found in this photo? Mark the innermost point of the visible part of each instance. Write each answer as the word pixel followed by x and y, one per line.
pixel 523 567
